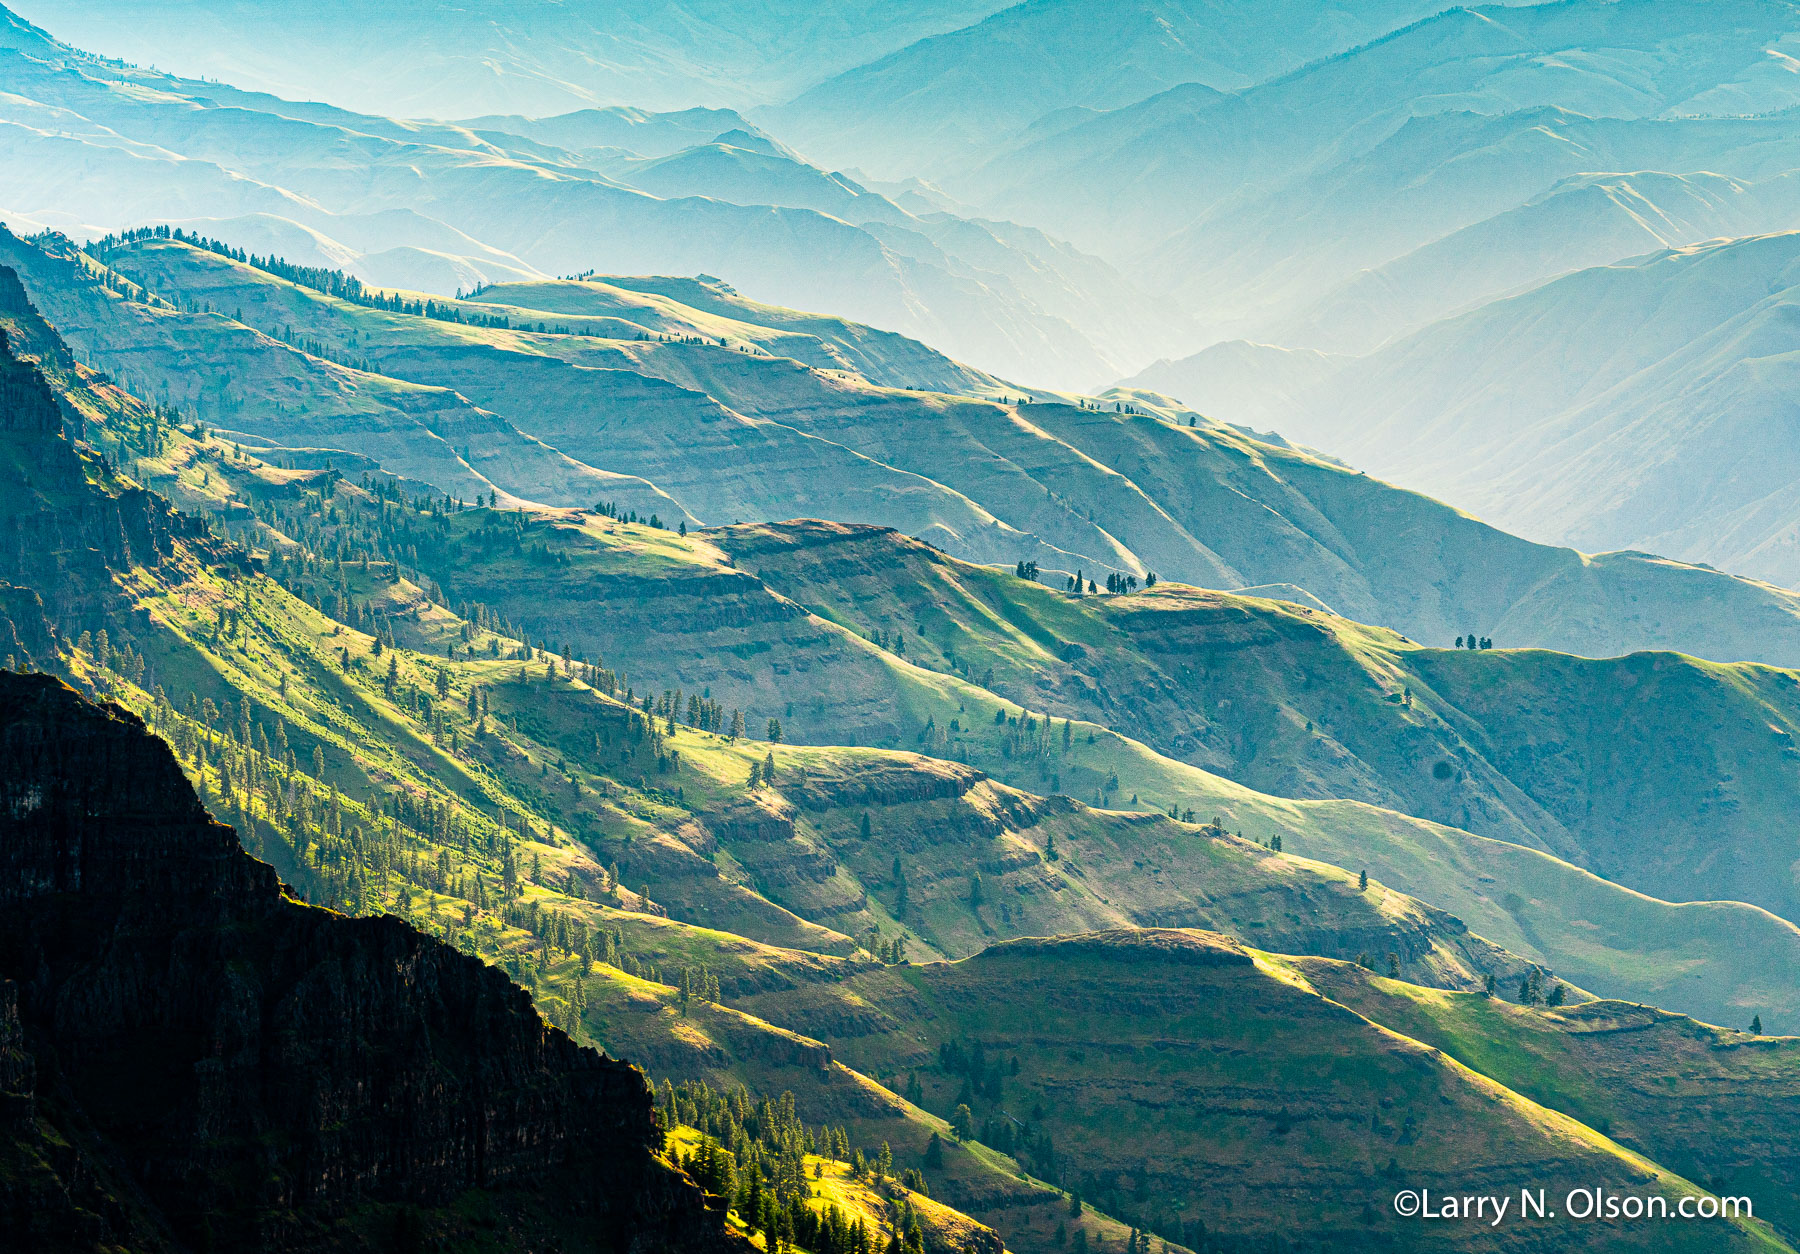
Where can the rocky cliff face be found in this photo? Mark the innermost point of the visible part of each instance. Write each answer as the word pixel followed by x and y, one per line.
pixel 67 524
pixel 189 1058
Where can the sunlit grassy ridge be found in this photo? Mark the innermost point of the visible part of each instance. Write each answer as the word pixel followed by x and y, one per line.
pixel 1539 750
pixel 394 740
pixel 1119 486
pixel 1194 1080
pixel 370 798
pixel 1656 1082
pixel 718 614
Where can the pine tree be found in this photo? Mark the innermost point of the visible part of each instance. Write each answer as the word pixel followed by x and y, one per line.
pixel 1756 1026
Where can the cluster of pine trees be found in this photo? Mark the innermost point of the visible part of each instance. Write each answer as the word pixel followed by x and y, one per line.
pixel 753 1153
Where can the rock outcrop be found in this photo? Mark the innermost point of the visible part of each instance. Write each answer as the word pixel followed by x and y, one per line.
pixel 192 1059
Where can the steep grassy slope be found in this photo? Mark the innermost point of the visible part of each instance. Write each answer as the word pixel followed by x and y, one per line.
pixel 760 862
pixel 823 680
pixel 828 671
pixel 591 584
pixel 1066 486
pixel 1230 1098
pixel 392 744
pixel 1579 757
pixel 371 793
pixel 1657 1083
pixel 698 1042
pixel 865 1198
pixel 710 309
pixel 833 682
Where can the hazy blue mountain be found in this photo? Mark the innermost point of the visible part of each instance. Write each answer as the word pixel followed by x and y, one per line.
pixel 746 169
pixel 1645 404
pixel 1586 220
pixel 439 58
pixel 1167 181
pixel 639 132
pixel 1239 381
pixel 936 104
pixel 1260 264
pixel 96 147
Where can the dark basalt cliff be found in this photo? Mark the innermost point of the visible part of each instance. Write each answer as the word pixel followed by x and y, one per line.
pixel 68 525
pixel 191 1059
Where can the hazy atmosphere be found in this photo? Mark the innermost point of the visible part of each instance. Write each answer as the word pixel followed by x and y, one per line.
pixel 931 628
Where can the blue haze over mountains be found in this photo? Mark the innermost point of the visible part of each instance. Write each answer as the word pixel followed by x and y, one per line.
pixel 1066 194
pixel 808 352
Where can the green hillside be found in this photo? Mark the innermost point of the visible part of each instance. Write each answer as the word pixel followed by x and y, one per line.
pixel 692 563
pixel 375 791
pixel 1178 1075
pixel 685 308
pixel 984 645
pixel 1066 485
pixel 1658 1083
pixel 322 655
pixel 1575 756
pixel 560 579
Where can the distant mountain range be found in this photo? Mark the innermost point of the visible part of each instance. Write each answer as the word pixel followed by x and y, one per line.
pixel 1646 404
pixel 1043 67
pixel 438 207
pixel 444 59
